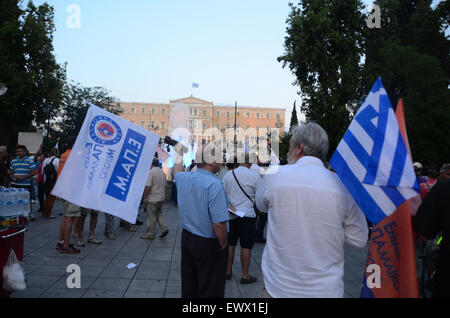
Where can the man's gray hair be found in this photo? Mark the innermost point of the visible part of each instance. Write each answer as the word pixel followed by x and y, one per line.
pixel 3 148
pixel 313 138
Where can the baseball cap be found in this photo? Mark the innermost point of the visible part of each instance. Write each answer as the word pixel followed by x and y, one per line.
pixel 417 165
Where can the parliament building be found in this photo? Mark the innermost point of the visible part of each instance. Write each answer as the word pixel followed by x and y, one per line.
pixel 203 115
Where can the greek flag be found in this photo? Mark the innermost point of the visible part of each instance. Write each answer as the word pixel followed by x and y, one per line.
pixel 195 85
pixel 372 160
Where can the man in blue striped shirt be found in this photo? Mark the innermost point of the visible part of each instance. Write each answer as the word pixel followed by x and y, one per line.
pixel 203 212
pixel 22 170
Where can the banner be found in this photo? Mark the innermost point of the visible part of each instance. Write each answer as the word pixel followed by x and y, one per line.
pixel 108 166
pixel 373 162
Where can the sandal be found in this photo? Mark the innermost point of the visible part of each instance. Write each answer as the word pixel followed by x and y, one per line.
pixel 74 249
pixel 248 280
pixel 94 240
pixel 69 250
pixel 111 236
pixel 131 229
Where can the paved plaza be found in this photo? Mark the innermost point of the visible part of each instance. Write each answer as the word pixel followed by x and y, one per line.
pixel 104 271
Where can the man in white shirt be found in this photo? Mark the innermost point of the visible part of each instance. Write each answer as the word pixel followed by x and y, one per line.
pixel 154 196
pixel 235 182
pixel 311 215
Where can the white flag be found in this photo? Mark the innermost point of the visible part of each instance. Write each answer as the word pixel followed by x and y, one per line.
pixel 273 158
pixel 108 166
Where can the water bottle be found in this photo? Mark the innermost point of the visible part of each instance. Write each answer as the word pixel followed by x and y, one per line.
pixel 14 199
pixel 2 200
pixel 26 201
pixel 19 202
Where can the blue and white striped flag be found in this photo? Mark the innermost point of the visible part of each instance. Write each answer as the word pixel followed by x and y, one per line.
pixel 372 160
pixel 195 85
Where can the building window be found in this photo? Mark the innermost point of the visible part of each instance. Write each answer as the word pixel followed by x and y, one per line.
pixel 278 116
pixel 257 128
pixel 153 111
pixel 268 116
pixel 153 124
pixel 218 126
pixel 217 113
pixel 228 114
pixel 257 115
pixel 204 126
pixel 204 113
pixel 163 111
pixel 163 124
pixel 142 123
pixel 132 110
pixel 248 114
pixel 143 110
pixel 268 128
pixel 248 127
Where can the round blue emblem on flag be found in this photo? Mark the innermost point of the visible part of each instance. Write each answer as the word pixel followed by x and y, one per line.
pixel 104 130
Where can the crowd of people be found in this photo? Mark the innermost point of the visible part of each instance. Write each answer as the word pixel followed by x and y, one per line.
pixel 306 211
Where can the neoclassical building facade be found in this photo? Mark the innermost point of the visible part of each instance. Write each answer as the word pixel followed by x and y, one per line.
pixel 203 115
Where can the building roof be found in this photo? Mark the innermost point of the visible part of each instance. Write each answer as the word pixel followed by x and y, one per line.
pixel 190 100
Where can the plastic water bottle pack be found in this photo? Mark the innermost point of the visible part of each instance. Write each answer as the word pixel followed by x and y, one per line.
pixel 14 201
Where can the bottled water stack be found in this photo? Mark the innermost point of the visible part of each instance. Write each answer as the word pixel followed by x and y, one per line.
pixel 14 201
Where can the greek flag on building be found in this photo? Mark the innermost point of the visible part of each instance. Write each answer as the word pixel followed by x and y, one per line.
pixel 372 160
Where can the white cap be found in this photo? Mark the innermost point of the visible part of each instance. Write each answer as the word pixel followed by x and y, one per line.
pixel 417 165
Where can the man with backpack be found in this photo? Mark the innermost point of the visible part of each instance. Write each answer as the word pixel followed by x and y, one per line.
pixel 50 169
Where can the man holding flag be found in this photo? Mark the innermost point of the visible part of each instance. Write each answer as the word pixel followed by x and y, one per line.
pixel 373 162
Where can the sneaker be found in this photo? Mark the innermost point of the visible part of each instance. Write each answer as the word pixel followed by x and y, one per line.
pixel 248 280
pixel 164 234
pixel 81 243
pixel 94 240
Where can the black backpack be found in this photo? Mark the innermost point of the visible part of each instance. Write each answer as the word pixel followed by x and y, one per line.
pixel 50 173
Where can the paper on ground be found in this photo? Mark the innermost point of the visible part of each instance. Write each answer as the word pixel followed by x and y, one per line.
pixel 131 265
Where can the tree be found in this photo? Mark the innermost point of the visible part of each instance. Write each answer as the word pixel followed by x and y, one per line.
pixel 74 108
pixel 28 68
pixel 411 54
pixel 294 119
pixel 323 48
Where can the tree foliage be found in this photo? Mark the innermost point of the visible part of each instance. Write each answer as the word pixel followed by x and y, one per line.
pixel 336 58
pixel 28 68
pixel 411 55
pixel 74 108
pixel 294 119
pixel 323 49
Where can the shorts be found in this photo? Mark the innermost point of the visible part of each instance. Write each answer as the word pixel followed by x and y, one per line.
pixel 244 230
pixel 71 210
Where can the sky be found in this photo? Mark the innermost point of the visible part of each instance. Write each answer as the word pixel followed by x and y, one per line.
pixel 153 50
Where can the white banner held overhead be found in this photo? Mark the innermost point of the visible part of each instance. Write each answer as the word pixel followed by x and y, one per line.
pixel 108 166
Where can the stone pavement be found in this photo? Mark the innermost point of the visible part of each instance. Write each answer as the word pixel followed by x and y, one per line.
pixel 103 267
